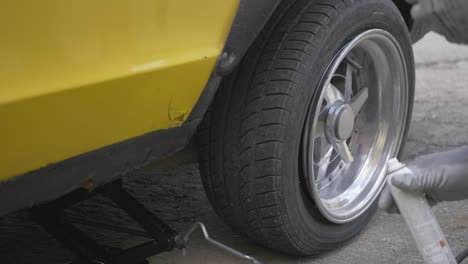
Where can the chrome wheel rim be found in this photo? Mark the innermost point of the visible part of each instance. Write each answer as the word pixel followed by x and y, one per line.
pixel 356 123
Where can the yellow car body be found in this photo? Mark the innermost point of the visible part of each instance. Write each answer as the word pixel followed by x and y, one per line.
pixel 91 90
pixel 76 76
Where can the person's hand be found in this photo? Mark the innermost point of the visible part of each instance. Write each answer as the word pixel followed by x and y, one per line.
pixel 446 17
pixel 441 176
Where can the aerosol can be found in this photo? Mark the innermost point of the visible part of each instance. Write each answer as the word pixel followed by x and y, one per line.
pixel 423 225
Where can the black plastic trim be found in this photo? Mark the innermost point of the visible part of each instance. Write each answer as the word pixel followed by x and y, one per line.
pixel 250 19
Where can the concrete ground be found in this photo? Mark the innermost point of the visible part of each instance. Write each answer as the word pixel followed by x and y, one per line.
pixel 440 122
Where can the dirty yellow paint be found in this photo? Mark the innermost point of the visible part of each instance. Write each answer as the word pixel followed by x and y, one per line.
pixel 177 115
pixel 76 76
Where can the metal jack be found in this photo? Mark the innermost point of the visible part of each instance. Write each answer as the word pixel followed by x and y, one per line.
pixel 182 241
pixel 51 216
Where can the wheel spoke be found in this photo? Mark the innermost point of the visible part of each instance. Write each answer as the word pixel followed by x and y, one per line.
pixel 320 130
pixel 344 151
pixel 359 100
pixel 353 63
pixel 321 124
pixel 323 164
pixel 332 94
pixel 348 82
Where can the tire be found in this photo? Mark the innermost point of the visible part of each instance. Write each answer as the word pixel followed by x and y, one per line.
pixel 250 139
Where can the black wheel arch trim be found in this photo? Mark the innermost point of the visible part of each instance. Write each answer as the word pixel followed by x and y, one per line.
pixel 251 19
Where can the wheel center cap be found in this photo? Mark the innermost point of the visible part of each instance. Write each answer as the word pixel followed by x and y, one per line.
pixel 344 122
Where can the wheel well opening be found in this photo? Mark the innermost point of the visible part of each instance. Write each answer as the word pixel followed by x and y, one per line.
pixel 405 10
